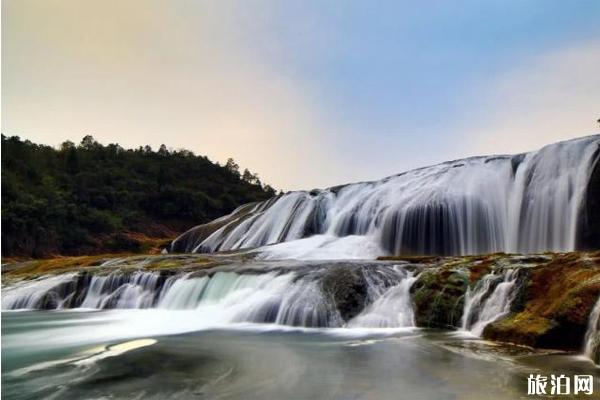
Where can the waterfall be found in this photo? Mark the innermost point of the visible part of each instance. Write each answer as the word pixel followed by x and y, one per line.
pixel 392 306
pixel 35 294
pixel 592 335
pixel 280 297
pixel 118 291
pixel 525 203
pixel 489 300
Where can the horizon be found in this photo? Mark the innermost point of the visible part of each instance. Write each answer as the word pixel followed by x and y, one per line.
pixel 304 94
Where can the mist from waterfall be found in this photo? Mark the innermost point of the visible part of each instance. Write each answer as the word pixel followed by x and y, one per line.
pixel 524 203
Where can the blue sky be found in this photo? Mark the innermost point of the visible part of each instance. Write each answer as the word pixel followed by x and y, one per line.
pixel 307 94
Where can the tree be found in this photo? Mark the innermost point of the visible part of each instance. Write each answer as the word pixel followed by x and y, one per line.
pixel 232 167
pixel 88 142
pixel 79 199
pixel 67 145
pixel 72 161
pixel 269 189
pixel 249 177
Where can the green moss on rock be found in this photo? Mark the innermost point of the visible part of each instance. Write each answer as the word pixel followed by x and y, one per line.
pixel 438 296
pixel 555 304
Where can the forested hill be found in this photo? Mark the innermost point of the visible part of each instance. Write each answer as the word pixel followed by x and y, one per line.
pixel 91 198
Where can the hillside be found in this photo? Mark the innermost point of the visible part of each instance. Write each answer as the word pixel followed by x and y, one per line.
pixel 92 198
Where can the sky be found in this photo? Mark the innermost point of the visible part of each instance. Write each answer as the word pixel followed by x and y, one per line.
pixel 305 93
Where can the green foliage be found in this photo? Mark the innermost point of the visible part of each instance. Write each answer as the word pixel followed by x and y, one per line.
pixel 74 199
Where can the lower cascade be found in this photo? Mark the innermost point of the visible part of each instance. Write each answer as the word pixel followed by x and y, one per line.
pixel 391 308
pixel 352 297
pixel 488 295
pixel 373 297
pixel 489 300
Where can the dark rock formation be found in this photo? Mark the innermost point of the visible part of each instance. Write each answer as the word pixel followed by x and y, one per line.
pixel 438 297
pixel 347 289
pixel 588 233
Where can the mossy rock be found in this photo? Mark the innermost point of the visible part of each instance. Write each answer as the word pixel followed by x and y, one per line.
pixel 554 306
pixel 579 304
pixel 535 331
pixel 438 296
pixel 520 328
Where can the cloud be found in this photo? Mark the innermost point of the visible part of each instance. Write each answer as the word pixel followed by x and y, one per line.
pixel 546 98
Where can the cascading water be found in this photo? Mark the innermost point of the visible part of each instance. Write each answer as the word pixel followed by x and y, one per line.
pixel 278 297
pixel 524 203
pixel 116 291
pixel 36 293
pixel 489 300
pixel 592 336
pixel 392 307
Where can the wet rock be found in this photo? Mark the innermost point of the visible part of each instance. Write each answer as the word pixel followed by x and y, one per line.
pixel 438 296
pixel 555 305
pixel 588 237
pixel 347 289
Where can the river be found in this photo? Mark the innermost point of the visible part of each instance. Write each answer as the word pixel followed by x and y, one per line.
pixel 135 354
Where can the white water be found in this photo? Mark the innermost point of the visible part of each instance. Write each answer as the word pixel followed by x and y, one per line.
pixel 484 305
pixel 226 297
pixel 526 203
pixel 138 292
pixel 592 335
pixel 392 307
pixel 28 294
pixel 323 247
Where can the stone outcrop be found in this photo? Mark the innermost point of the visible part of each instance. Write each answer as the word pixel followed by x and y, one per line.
pixel 347 289
pixel 557 300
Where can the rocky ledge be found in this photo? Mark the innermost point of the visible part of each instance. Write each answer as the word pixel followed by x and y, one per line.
pixel 554 296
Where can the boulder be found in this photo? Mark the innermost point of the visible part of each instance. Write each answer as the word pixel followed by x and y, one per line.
pixel 438 296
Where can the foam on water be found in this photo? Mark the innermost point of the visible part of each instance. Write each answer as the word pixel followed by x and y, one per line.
pixel 324 247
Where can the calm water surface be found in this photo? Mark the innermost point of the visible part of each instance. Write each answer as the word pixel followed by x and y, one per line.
pixel 146 354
